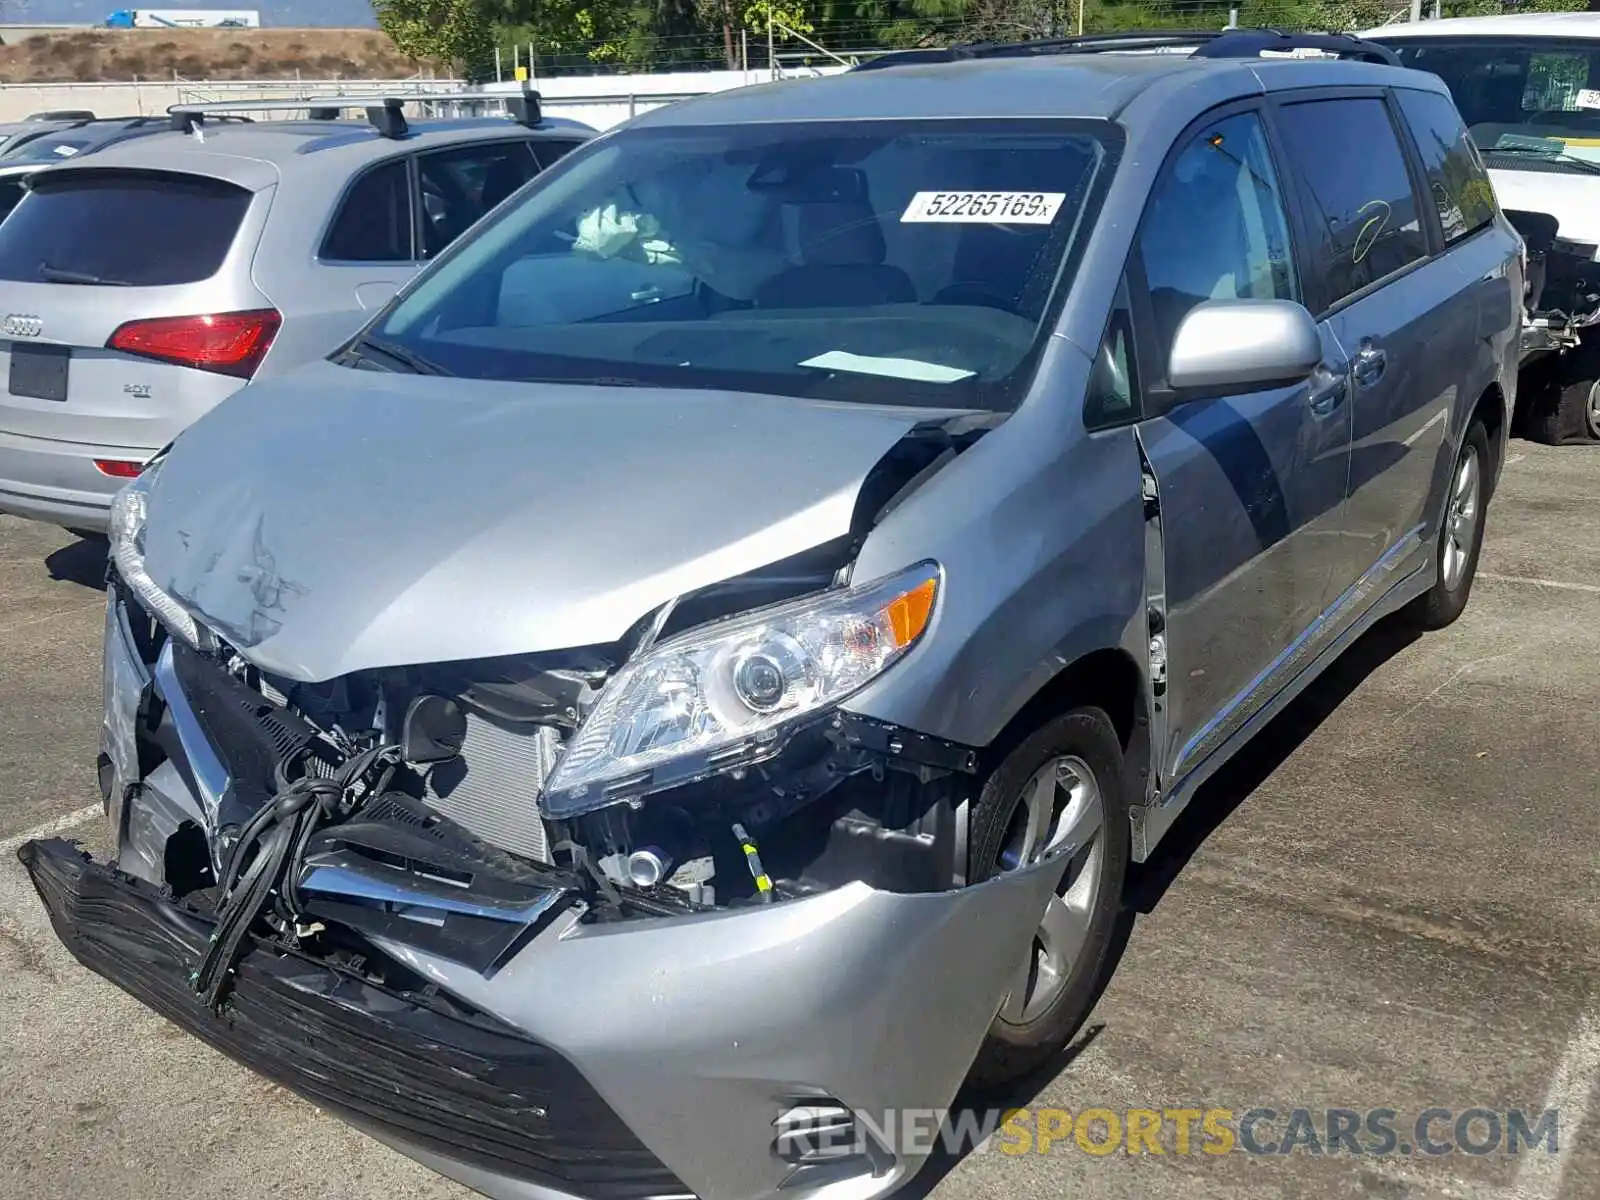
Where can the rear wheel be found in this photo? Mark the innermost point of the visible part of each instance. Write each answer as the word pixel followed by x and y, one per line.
pixel 1060 792
pixel 1460 534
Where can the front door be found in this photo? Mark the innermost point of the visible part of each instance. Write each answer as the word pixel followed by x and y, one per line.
pixel 1251 486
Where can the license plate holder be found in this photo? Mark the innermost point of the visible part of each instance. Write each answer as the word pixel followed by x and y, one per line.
pixel 39 372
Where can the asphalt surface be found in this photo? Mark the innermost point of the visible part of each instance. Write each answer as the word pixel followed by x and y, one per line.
pixel 1392 902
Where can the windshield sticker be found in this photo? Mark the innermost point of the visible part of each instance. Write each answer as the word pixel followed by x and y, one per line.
pixel 66 151
pixel 987 208
pixel 893 368
pixel 1587 98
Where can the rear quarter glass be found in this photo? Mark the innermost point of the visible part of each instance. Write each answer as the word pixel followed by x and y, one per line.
pixel 121 228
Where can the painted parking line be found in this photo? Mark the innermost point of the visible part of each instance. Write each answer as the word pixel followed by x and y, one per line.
pixel 1571 1089
pixel 8 846
pixel 1560 585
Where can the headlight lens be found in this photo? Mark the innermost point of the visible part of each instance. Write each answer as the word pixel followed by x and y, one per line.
pixel 721 696
pixel 129 512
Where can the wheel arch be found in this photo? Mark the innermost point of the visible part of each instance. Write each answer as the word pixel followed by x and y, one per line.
pixel 1108 678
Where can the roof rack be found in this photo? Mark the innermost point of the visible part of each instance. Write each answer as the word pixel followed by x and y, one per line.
pixel 1207 43
pixel 385 111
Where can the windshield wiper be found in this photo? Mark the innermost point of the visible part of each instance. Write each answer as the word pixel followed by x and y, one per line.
pixel 59 275
pixel 1539 152
pixel 370 346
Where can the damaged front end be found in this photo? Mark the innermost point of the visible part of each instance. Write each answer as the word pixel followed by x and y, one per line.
pixel 1561 284
pixel 591 921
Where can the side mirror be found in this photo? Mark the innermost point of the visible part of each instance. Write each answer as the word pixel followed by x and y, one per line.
pixel 1243 345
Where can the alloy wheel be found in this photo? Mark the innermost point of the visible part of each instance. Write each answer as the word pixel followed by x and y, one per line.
pixel 1061 812
pixel 1461 519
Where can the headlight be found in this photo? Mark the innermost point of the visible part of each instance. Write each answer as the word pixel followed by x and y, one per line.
pixel 723 695
pixel 129 512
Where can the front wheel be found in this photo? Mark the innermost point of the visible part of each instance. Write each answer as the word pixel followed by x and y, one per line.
pixel 1460 534
pixel 1568 415
pixel 1060 792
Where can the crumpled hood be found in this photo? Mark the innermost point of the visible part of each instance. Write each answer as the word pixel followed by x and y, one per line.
pixel 336 520
pixel 1573 200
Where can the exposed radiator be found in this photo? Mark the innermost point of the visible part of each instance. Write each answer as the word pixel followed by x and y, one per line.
pixel 493 788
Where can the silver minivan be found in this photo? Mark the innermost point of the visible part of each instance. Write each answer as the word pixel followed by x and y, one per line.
pixel 690 679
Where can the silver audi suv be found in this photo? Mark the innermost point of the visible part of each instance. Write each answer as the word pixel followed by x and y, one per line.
pixel 689 680
pixel 143 283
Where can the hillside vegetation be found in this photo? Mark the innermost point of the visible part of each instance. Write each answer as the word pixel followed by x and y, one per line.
pixel 116 55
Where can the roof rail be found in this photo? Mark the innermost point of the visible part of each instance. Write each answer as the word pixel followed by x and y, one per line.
pixel 1141 39
pixel 385 111
pixel 1251 43
pixel 1207 43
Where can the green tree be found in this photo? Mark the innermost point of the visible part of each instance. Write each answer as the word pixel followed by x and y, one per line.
pixel 457 33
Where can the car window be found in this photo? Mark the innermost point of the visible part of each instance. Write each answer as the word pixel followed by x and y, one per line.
pixel 1216 227
pixel 459 186
pixel 1112 384
pixel 373 223
pixel 906 260
pixel 552 150
pixel 138 229
pixel 1457 180
pixel 11 192
pixel 1521 97
pixel 1362 210
pixel 47 149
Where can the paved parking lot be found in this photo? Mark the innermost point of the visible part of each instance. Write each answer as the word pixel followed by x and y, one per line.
pixel 1393 903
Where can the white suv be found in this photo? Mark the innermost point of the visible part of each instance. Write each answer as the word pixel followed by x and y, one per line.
pixel 1528 87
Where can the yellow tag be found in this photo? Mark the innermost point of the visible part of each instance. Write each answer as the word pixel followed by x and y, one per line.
pixel 522 73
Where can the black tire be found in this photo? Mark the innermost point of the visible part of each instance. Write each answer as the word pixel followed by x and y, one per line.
pixel 1566 414
pixel 1087 735
pixel 1441 604
pixel 1556 396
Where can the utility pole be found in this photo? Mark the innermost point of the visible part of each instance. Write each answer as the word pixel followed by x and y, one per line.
pixel 1080 18
pixel 1416 10
pixel 772 62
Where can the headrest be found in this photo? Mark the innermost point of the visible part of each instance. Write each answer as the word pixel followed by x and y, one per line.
pixel 840 234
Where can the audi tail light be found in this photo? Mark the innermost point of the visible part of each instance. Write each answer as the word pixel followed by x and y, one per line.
pixel 227 343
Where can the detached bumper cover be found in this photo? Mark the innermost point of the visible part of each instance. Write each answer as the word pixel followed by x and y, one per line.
pixel 452 1086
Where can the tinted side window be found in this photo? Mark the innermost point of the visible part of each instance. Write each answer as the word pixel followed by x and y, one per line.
pixel 459 186
pixel 1361 208
pixel 1460 186
pixel 1112 384
pixel 138 229
pixel 374 220
pixel 550 151
pixel 1216 227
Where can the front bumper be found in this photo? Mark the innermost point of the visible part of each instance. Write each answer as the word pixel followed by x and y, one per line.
pixel 448 1083
pixel 681 1038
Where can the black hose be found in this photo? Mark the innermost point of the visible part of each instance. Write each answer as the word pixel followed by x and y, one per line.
pixel 279 834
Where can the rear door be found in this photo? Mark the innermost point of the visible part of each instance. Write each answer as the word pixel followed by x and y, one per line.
pixel 1250 485
pixel 368 250
pixel 1403 316
pixel 87 252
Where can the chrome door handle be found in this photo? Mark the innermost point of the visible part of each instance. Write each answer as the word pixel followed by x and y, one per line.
pixel 1369 364
pixel 1328 390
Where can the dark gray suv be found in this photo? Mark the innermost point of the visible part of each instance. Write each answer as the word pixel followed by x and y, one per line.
pixel 689 680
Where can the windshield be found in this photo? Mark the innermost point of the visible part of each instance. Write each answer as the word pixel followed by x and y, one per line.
pixel 893 262
pixel 1529 103
pixel 45 149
